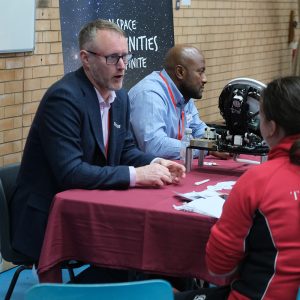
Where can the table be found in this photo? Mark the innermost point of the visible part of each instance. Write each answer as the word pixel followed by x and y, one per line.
pixel 133 229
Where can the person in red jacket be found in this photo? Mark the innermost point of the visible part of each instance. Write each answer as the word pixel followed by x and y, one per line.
pixel 256 241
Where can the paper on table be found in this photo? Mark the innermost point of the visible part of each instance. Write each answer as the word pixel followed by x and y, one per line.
pixel 210 191
pixel 208 202
pixel 211 206
pixel 225 185
pixel 196 195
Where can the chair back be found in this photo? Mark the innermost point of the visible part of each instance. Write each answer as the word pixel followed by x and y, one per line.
pixel 135 290
pixel 8 177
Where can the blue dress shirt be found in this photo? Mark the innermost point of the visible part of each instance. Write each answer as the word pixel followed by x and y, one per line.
pixel 155 119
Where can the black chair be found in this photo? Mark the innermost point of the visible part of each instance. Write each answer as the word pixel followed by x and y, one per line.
pixel 8 176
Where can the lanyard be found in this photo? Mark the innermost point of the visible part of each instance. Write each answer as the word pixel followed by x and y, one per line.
pixel 108 134
pixel 180 129
pixel 105 128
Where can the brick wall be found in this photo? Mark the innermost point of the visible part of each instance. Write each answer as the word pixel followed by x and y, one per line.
pixel 24 78
pixel 239 38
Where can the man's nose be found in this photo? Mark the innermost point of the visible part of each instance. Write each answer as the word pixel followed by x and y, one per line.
pixel 121 64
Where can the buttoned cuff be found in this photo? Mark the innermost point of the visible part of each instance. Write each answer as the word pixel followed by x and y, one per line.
pixel 132 175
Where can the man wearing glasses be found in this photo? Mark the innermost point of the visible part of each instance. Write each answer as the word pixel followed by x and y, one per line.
pixel 80 138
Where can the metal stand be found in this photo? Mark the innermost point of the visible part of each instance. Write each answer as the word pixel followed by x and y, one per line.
pixel 202 150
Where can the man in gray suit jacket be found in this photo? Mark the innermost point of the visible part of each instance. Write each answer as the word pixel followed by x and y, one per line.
pixel 81 138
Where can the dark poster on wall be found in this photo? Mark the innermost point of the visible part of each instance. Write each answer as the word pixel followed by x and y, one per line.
pixel 148 24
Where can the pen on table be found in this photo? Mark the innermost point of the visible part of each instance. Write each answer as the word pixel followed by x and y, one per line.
pixel 201 182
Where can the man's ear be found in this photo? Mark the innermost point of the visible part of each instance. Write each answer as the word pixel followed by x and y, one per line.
pixel 179 72
pixel 84 57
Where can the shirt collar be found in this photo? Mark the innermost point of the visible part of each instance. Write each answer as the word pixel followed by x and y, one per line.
pixel 283 147
pixel 180 102
pixel 111 98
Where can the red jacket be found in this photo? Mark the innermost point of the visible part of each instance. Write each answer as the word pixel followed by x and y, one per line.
pixel 258 234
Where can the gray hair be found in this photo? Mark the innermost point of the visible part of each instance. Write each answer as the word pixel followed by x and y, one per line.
pixel 89 31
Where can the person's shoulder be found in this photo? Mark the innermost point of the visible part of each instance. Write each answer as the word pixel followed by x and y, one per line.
pixel 257 174
pixel 152 83
pixel 147 82
pixel 70 86
pixel 69 79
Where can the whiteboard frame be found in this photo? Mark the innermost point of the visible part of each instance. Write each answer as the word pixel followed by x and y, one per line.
pixel 17 26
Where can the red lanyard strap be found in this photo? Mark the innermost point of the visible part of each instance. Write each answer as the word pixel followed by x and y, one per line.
pixel 108 134
pixel 180 129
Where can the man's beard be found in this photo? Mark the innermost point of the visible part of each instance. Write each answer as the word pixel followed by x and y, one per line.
pixel 188 92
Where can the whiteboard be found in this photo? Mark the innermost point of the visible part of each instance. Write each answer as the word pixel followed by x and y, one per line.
pixel 17 19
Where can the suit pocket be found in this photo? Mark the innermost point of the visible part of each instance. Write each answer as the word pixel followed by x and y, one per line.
pixel 40 202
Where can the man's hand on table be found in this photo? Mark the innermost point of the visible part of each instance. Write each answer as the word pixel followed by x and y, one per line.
pixel 159 173
pixel 177 170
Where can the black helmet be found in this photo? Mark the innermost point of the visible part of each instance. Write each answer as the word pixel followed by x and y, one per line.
pixel 239 105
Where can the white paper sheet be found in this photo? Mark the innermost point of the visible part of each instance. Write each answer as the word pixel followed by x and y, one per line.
pixel 211 206
pixel 208 202
pixel 196 195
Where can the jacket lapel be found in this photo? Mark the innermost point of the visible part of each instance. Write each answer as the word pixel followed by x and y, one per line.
pixel 93 110
pixel 94 114
pixel 114 126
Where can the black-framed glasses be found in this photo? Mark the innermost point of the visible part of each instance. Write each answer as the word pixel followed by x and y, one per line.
pixel 113 59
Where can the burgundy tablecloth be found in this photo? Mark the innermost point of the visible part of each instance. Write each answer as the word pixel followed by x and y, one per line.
pixel 133 229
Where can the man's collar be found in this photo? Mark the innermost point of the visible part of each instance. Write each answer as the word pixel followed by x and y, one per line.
pixel 180 102
pixel 110 99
